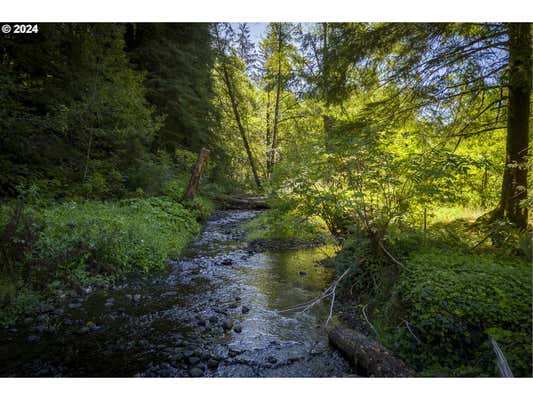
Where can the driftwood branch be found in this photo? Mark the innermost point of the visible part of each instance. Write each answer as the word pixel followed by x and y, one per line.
pixel 368 322
pixel 330 291
pixel 501 361
pixel 410 330
pixel 390 255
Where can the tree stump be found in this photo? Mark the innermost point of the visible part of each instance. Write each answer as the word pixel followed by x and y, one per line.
pixel 196 174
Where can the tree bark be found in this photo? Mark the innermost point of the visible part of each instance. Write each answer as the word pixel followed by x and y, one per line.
pixel 240 126
pixel 196 175
pixel 368 356
pixel 276 106
pixel 233 101
pixel 514 185
pixel 268 133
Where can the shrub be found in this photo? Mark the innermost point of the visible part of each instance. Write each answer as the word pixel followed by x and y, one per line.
pixel 453 301
pixel 106 238
pixel 288 224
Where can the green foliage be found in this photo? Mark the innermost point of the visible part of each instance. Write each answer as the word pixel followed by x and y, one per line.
pixel 109 238
pixel 453 301
pixel 178 59
pixel 286 222
pixel 75 118
pixel 15 301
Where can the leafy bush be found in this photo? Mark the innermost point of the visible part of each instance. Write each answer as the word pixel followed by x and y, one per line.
pixel 109 237
pixel 452 301
pixel 287 223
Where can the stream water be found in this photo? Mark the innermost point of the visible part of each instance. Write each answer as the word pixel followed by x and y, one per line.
pixel 216 312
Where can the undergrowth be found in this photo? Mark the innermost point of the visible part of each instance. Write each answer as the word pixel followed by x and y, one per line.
pixel 436 310
pixel 78 244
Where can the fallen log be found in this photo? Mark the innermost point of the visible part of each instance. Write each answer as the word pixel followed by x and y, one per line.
pixel 368 356
pixel 242 202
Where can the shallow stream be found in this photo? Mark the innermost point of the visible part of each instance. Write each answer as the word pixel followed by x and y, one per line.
pixel 215 312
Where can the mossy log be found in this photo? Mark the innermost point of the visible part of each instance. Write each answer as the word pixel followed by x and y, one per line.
pixel 368 356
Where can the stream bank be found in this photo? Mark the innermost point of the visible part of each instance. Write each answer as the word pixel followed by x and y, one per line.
pixel 214 313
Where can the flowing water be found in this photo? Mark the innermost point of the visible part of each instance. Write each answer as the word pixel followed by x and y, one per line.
pixel 215 313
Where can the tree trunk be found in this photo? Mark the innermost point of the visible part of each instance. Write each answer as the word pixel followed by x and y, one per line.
pixel 276 106
pixel 514 186
pixel 233 101
pixel 368 356
pixel 268 133
pixel 196 174
pixel 241 127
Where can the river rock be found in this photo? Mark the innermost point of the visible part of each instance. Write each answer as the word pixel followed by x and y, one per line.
pixel 227 324
pixel 196 372
pixel 213 319
pixel 42 328
pixel 238 298
pixel 33 339
pixel 227 261
pixel 74 305
pixel 45 308
pixel 212 363
pixel 201 322
pixel 245 310
pixel 42 318
pixel 237 328
pixel 193 360
pixel 137 297
pixel 272 360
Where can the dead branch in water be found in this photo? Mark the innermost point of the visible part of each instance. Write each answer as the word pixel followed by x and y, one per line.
pixel 330 291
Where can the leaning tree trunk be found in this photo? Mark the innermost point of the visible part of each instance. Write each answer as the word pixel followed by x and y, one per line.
pixel 237 115
pixel 196 174
pixel 268 134
pixel 514 186
pixel 276 106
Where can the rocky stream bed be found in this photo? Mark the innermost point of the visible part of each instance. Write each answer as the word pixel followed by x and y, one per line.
pixel 215 312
